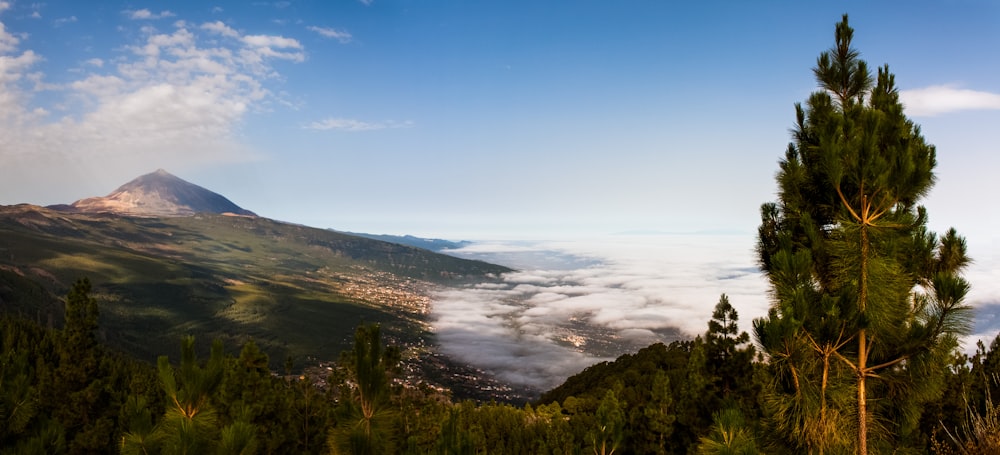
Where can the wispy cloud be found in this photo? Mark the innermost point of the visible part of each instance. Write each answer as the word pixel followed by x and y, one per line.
pixel 346 124
pixel 274 46
pixel 175 98
pixel 339 35
pixel 4 6
pixel 220 28
pixel 943 99
pixel 145 14
pixel 258 47
pixel 276 5
pixel 272 41
pixel 8 42
pixel 64 20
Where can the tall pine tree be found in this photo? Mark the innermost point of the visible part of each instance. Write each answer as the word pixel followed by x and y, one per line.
pixel 867 303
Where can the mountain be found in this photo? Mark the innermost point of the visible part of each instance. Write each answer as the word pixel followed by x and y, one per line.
pixel 436 245
pixel 159 194
pixel 295 290
pixel 167 259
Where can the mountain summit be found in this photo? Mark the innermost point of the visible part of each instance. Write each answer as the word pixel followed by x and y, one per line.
pixel 160 193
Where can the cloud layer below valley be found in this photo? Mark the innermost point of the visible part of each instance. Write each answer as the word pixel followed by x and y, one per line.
pixel 576 303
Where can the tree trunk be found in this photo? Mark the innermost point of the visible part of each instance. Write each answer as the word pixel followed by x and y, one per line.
pixel 863 337
pixel 862 396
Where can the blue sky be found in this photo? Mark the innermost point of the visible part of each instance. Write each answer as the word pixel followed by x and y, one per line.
pixel 512 119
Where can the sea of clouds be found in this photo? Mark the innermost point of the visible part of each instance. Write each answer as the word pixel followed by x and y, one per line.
pixel 574 303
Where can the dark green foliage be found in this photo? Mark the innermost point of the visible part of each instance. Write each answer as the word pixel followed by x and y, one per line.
pixel 26 298
pixel 659 414
pixel 658 400
pixel 967 418
pixel 227 405
pixel 456 439
pixel 252 398
pixel 729 355
pixel 867 304
pixel 190 424
pixel 19 396
pixel 669 393
pixel 75 397
pixel 696 398
pixel 607 434
pixel 138 435
pixel 60 390
pixel 596 379
pixel 730 435
pixel 366 417
pixel 503 428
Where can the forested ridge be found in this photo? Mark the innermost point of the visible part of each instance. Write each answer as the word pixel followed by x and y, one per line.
pixel 857 354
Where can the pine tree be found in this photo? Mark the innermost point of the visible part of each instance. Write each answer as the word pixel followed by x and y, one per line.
pixel 730 435
pixel 76 391
pixel 607 436
pixel 730 357
pixel 866 301
pixel 366 412
pixel 696 397
pixel 191 422
pixel 659 411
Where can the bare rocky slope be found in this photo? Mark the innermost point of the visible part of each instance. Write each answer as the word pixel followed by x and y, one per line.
pixel 159 193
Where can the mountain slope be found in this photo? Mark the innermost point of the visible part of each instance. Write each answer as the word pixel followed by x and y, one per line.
pixel 295 290
pixel 159 194
pixel 436 245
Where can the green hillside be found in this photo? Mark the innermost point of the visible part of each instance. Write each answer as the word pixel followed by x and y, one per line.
pixel 295 290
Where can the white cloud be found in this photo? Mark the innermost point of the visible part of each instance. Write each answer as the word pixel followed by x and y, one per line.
pixel 4 6
pixel 13 68
pixel 175 99
pixel 943 99
pixel 367 2
pixel 345 124
pixel 272 41
pixel 339 35
pixel 592 301
pixel 8 42
pixel 260 46
pixel 220 28
pixel 145 14
pixel 63 21
pixel 216 9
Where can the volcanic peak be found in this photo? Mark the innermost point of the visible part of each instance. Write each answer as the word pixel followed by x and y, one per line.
pixel 160 193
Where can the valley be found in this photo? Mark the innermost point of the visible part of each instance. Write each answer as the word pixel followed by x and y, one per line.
pixel 298 292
